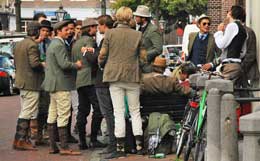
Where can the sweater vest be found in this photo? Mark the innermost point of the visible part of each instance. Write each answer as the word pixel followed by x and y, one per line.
pixel 199 51
pixel 234 48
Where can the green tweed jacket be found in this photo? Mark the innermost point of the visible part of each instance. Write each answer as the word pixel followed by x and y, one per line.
pixel 59 68
pixel 84 75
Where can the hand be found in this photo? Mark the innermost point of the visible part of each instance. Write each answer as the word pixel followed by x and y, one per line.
pixel 83 50
pixel 101 58
pixel 206 66
pixel 79 64
pixel 221 27
pixel 43 64
pixel 90 49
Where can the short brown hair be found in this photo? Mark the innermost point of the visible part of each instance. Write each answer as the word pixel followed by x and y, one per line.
pixel 106 20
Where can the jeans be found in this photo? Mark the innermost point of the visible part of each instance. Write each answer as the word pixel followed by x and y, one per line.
pixel 106 107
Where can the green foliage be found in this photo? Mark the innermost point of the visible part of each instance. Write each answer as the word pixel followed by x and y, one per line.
pixel 167 8
pixel 129 3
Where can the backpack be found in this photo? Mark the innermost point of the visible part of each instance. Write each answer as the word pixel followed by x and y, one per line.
pixel 159 134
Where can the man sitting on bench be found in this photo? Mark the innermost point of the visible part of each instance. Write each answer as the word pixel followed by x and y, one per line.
pixel 157 83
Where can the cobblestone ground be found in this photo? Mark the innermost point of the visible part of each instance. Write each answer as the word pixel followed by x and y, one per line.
pixel 9 109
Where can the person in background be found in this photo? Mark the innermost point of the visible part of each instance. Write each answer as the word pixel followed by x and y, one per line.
pixel 105 23
pixel 202 48
pixel 44 100
pixel 152 39
pixel 29 76
pixel 69 44
pixel 122 73
pixel 231 39
pixel 59 81
pixel 39 17
pixel 249 61
pixel 158 83
pixel 85 84
pixel 78 32
pixel 187 30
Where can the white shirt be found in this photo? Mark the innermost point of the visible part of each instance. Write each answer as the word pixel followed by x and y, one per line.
pixel 223 40
pixel 185 40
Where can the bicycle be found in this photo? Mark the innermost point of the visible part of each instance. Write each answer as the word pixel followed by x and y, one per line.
pixel 195 133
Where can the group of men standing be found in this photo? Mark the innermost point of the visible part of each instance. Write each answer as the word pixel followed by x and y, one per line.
pixel 105 75
pixel 63 63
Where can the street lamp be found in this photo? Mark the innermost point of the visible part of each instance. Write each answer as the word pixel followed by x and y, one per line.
pixel 60 13
pixel 162 24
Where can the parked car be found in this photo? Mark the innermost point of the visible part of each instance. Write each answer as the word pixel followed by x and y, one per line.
pixel 7 76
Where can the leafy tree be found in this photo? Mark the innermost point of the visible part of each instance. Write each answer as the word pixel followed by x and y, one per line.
pixel 168 9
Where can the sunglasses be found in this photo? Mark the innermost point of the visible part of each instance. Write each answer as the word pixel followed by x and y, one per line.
pixel 205 23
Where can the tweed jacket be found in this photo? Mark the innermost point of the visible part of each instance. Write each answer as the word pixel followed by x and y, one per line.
pixel 29 71
pixel 152 42
pixel 84 75
pixel 59 68
pixel 123 45
pixel 249 62
pixel 157 83
pixel 212 49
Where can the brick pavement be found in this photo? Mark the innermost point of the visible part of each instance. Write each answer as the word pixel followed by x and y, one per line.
pixel 9 110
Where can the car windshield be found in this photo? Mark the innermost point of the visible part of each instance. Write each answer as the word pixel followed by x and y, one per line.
pixel 5 62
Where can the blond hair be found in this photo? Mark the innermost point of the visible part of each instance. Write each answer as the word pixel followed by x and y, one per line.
pixel 124 15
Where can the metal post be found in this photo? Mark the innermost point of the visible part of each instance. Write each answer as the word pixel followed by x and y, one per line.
pixel 213 125
pixel 18 15
pixel 228 129
pixel 103 7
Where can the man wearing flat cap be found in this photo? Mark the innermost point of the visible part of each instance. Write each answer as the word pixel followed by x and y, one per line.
pixel 158 83
pixel 151 39
pixel 29 76
pixel 59 81
pixel 202 48
pixel 85 84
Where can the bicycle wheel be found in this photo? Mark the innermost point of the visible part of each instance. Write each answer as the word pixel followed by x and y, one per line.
pixel 181 142
pixel 190 141
pixel 201 144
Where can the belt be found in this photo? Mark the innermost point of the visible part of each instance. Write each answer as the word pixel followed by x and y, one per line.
pixel 229 62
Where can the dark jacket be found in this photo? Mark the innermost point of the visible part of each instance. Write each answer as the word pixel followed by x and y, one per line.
pixel 29 71
pixel 249 62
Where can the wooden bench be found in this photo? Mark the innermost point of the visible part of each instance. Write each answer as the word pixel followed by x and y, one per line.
pixel 174 104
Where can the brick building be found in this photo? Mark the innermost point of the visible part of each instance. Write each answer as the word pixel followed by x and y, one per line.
pixel 217 9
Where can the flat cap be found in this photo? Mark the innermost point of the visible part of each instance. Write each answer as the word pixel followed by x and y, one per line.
pixel 89 22
pixel 60 24
pixel 47 24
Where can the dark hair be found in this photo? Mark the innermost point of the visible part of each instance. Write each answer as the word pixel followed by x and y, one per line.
pixel 70 21
pixel 106 20
pixel 238 12
pixel 188 68
pixel 37 16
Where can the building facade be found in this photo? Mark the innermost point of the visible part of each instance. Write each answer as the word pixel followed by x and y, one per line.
pixel 78 9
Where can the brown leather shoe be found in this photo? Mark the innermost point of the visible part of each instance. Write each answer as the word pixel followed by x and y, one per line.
pixel 23 145
pixel 69 152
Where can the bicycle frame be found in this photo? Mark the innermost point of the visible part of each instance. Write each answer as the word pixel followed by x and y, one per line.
pixel 202 111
